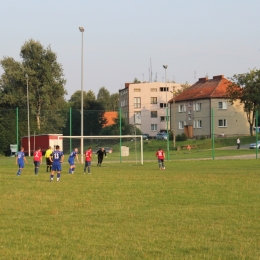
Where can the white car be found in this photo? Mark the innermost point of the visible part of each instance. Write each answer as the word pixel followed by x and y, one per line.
pixel 253 145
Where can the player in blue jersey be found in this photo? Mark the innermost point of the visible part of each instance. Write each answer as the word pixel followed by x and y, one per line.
pixel 71 160
pixel 20 159
pixel 56 158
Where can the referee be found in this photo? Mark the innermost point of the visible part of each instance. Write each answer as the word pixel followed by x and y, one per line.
pixel 48 161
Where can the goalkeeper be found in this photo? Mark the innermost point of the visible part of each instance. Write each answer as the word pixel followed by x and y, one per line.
pixel 100 153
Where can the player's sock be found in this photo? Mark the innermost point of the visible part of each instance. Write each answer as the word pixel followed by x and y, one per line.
pixel 88 169
pixel 69 170
pixel 51 178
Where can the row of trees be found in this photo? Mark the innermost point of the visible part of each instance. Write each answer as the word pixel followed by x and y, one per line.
pixel 40 72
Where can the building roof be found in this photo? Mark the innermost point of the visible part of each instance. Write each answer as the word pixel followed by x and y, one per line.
pixel 205 88
pixel 110 117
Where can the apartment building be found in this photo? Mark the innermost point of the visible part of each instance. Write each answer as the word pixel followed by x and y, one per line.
pixel 204 108
pixel 145 105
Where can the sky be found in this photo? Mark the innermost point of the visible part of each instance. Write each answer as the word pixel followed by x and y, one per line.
pixel 127 39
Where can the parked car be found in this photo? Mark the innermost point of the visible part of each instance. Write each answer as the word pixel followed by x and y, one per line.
pixel 146 136
pixel 253 145
pixel 161 136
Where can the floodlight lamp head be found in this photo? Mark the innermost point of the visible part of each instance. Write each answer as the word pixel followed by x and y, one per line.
pixel 165 66
pixel 81 29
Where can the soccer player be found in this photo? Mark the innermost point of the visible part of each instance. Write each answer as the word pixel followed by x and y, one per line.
pixel 160 155
pixel 71 159
pixel 37 160
pixel 20 159
pixel 101 152
pixel 48 161
pixel 88 157
pixel 56 158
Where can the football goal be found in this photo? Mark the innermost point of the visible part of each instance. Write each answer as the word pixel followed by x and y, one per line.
pixel 124 148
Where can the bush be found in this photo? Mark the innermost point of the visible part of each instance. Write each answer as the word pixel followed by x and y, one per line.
pixel 181 137
pixel 202 137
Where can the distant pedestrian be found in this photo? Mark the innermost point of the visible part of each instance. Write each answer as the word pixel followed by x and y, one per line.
pixel 160 155
pixel 37 160
pixel 71 160
pixel 20 159
pixel 238 143
pixel 56 158
pixel 100 153
pixel 48 161
pixel 88 157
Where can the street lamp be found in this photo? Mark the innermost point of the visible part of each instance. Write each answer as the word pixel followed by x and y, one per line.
pixel 81 29
pixel 28 119
pixel 173 103
pixel 165 67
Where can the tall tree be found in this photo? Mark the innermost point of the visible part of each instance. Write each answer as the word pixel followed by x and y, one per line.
pixel 246 88
pixel 114 99
pixel 103 97
pixel 45 82
pixel 93 116
pixel 88 97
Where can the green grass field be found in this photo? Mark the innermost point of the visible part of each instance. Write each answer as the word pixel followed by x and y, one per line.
pixel 192 210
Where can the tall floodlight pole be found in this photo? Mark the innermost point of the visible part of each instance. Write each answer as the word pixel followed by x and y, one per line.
pixel 81 29
pixel 165 67
pixel 173 102
pixel 28 118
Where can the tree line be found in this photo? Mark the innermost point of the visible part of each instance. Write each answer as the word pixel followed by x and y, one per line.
pixel 42 75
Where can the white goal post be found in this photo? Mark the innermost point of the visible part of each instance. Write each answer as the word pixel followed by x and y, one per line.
pixel 119 148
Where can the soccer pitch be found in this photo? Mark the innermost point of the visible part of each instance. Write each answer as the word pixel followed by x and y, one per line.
pixel 191 210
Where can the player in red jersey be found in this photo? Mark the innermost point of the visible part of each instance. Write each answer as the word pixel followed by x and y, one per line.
pixel 37 160
pixel 160 155
pixel 88 157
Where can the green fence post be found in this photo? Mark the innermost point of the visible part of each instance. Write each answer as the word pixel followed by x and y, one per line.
pixel 212 133
pixel 256 135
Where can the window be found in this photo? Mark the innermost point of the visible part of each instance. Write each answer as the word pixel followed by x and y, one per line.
pixel 153 89
pixel 194 124
pixel 123 102
pixel 189 105
pixel 137 113
pixel 153 100
pixel 199 123
pixel 222 105
pixel 153 127
pixel 137 102
pixel 162 105
pixel 182 108
pixel 197 107
pixel 125 114
pixel 189 118
pixel 189 112
pixel 153 114
pixel 222 123
pixel 137 90
pixel 181 124
pixel 164 89
pixel 164 118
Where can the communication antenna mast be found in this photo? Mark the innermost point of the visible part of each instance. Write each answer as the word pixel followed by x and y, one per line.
pixel 151 71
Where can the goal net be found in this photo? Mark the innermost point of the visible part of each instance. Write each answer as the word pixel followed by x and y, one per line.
pixel 124 148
